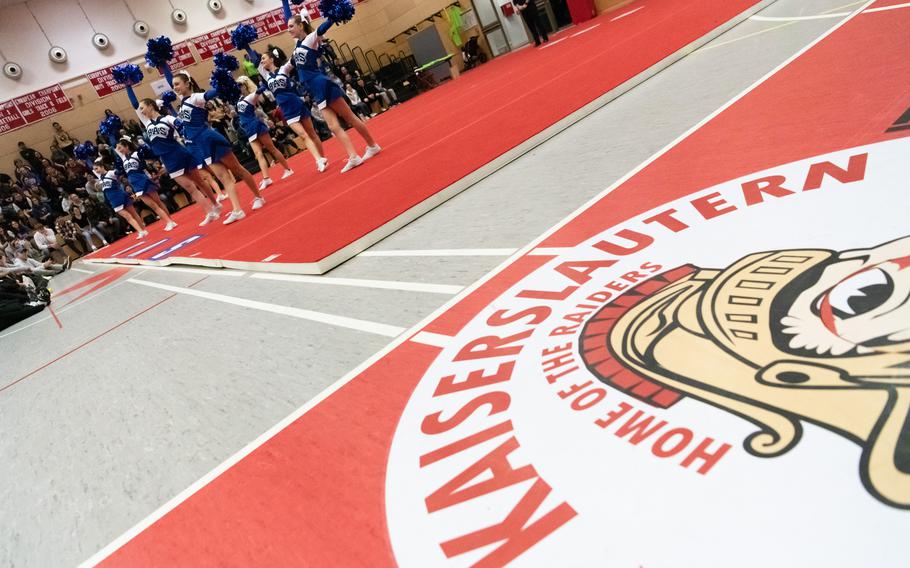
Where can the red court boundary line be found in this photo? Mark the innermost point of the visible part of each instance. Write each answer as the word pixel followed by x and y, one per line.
pixel 92 340
pixel 173 503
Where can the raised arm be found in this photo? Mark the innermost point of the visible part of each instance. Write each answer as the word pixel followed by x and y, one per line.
pixel 131 94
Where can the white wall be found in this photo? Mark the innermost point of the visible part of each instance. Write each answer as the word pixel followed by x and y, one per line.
pixel 21 39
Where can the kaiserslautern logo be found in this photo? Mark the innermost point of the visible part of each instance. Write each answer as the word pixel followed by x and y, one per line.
pixel 778 338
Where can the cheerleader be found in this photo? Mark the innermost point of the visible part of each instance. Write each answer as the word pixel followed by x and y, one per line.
pixel 118 198
pixel 143 187
pixel 275 69
pixel 215 149
pixel 327 95
pixel 257 132
pixel 181 165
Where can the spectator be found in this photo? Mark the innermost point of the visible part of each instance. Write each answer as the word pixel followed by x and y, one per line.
pixel 70 234
pixel 249 68
pixel 33 157
pixel 57 155
pixel 370 94
pixel 63 139
pixel 44 269
pixel 356 104
pixel 81 220
pixel 46 241
pixel 15 302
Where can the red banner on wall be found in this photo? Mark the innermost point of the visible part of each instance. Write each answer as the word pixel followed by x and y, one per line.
pixel 41 104
pixel 277 23
pixel 264 23
pixel 10 117
pixel 183 56
pixel 103 81
pixel 207 45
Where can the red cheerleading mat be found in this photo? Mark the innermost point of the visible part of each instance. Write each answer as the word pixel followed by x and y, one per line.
pixel 438 144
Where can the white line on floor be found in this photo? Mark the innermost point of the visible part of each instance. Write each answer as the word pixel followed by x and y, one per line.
pixel 270 257
pixel 823 16
pixel 441 252
pixel 630 12
pixel 432 339
pixel 340 321
pixel 586 30
pixel 127 249
pixel 548 251
pixel 148 248
pixel 552 43
pixel 271 432
pixel 363 283
pixel 206 271
pixel 773 28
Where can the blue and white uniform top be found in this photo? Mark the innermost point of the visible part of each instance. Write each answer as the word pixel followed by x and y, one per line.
pixel 134 167
pixel 161 135
pixel 193 113
pixel 205 142
pixel 306 60
pixel 252 126
pixel 288 100
pixel 114 192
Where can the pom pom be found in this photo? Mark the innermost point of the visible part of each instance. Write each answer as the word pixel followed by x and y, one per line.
pixel 225 85
pixel 145 152
pixel 111 126
pixel 337 11
pixel 225 61
pixel 168 98
pixel 243 35
pixel 160 51
pixel 128 74
pixel 85 151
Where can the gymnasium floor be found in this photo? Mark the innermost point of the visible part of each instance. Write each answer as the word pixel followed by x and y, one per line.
pixel 152 380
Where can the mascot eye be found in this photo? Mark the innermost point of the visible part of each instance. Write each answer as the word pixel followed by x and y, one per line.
pixel 858 294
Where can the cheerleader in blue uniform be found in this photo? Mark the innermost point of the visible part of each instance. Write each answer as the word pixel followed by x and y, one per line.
pixel 117 197
pixel 256 131
pixel 215 149
pixel 326 94
pixel 162 137
pixel 143 186
pixel 275 70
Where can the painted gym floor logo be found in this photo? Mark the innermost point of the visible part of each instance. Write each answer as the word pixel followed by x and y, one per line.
pixel 678 352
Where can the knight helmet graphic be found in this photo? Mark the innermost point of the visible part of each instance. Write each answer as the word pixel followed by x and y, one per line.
pixel 778 338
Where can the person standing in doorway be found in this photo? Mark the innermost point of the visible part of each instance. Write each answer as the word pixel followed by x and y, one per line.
pixel 528 10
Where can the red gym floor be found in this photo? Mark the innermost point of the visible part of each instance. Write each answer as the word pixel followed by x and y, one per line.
pixel 434 146
pixel 481 437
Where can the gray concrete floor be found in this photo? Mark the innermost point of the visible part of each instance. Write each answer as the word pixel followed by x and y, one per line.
pixel 144 390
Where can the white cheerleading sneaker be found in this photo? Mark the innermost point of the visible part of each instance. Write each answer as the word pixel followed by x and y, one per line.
pixel 235 216
pixel 322 164
pixel 258 203
pixel 265 183
pixel 287 174
pixel 371 151
pixel 351 164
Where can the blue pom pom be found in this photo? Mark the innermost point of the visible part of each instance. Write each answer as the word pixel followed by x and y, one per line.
pixel 243 35
pixel 225 61
pixel 337 11
pixel 168 98
pixel 225 85
pixel 111 126
pixel 145 152
pixel 85 151
pixel 160 51
pixel 128 74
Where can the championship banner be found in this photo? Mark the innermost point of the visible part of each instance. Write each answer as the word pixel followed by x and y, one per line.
pixel 707 365
pixel 35 107
pixel 183 56
pixel 10 117
pixel 103 81
pixel 207 45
